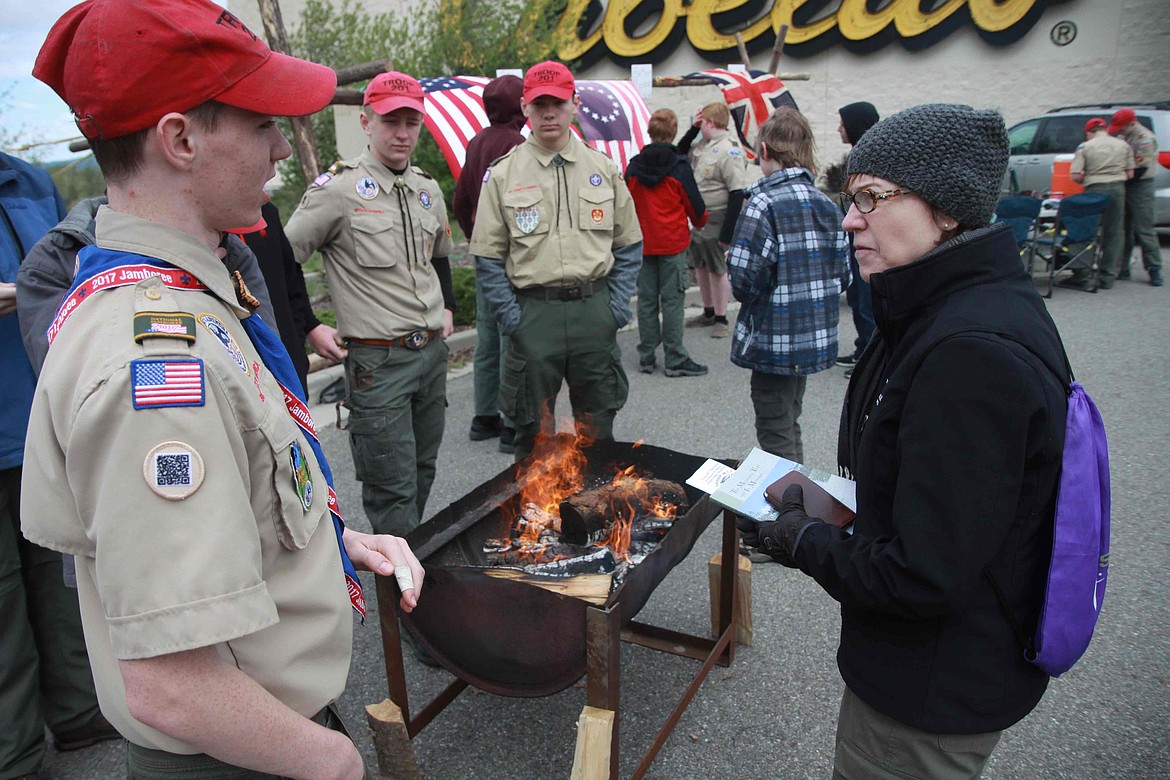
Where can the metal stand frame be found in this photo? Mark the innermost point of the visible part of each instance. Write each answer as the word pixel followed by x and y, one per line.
pixel 603 655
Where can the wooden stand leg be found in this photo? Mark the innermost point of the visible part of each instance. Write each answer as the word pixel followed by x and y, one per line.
pixel 743 597
pixel 591 759
pixel 396 759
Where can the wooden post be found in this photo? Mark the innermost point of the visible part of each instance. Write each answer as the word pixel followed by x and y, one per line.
pixel 743 597
pixel 743 55
pixel 591 759
pixel 778 49
pixel 396 759
pixel 303 140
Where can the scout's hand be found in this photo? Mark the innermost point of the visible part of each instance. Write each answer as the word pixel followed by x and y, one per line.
pixel 386 555
pixel 778 538
pixel 326 342
pixel 448 322
pixel 7 298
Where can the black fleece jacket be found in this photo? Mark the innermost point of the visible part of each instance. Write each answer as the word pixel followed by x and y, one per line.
pixel 954 432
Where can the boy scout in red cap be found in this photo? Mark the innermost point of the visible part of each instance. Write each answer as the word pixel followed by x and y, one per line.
pixel 557 252
pixel 169 449
pixel 1139 195
pixel 381 225
pixel 1103 164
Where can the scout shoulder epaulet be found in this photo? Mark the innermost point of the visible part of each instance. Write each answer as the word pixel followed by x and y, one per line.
pixel 421 172
pixel 328 175
pixel 504 156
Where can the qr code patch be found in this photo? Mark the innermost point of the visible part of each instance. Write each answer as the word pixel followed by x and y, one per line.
pixel 172 470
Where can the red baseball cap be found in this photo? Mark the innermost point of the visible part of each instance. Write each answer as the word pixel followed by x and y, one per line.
pixel 121 65
pixel 1122 118
pixel 548 78
pixel 393 90
pixel 1096 123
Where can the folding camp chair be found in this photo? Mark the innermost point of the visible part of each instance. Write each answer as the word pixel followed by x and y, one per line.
pixel 1074 242
pixel 1021 213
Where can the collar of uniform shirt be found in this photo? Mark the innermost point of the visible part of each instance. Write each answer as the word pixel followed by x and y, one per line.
pixel 569 153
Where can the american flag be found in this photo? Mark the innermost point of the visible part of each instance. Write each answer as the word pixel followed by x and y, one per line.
pixel 752 96
pixel 157 383
pixel 613 116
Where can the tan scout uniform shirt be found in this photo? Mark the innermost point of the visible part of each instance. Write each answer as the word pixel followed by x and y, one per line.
pixel 553 225
pixel 720 166
pixel 1103 159
pixel 377 232
pixel 1145 148
pixel 233 560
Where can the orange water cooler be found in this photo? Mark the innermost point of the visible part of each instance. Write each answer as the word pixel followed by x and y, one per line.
pixel 1062 183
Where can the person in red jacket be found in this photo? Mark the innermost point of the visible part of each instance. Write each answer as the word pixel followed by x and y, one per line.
pixel 666 198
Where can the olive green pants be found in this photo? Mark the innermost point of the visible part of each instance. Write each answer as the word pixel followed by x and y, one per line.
pixel 397 399
pixel 562 341
pixel 662 286
pixel 44 668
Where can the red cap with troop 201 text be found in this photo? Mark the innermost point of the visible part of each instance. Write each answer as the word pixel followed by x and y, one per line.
pixel 393 90
pixel 1096 123
pixel 121 65
pixel 548 78
pixel 1122 118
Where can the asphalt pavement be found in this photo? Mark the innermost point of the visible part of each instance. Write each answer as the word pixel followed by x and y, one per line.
pixel 773 713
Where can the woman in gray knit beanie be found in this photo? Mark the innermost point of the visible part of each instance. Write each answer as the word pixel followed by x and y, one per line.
pixel 953 427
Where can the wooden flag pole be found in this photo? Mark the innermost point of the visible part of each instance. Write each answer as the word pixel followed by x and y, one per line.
pixel 778 49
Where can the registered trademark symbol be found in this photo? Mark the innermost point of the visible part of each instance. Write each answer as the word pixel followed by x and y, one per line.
pixel 1063 33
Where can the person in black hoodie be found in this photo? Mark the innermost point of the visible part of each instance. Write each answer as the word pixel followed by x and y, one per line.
pixel 953 427
pixel 668 202
pixel 501 101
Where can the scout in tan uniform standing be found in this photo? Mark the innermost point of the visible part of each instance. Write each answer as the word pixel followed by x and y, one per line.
pixel 557 253
pixel 1103 164
pixel 720 169
pixel 1139 195
pixel 382 228
pixel 164 451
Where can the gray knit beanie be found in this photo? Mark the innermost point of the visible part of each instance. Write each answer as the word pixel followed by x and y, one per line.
pixel 954 157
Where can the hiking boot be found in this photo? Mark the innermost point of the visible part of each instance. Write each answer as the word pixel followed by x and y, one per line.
pixel 647 365
pixel 846 360
pixel 1156 277
pixel 485 427
pixel 1124 274
pixel 700 321
pixel 508 440
pixel 689 368
pixel 720 330
pixel 97 730
pixel 848 372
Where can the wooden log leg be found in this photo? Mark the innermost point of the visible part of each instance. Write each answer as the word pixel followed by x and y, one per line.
pixel 595 732
pixel 743 597
pixel 396 759
pixel 603 654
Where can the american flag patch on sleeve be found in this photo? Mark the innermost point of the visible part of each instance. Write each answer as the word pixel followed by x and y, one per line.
pixel 160 383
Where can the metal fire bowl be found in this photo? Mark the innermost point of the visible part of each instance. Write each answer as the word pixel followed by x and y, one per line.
pixel 511 638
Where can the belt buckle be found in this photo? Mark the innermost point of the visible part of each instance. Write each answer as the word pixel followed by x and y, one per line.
pixel 572 292
pixel 416 340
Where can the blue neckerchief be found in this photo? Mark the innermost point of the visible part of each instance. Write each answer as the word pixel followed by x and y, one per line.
pixel 126 268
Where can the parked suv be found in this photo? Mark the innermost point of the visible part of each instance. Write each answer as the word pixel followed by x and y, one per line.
pixel 1035 142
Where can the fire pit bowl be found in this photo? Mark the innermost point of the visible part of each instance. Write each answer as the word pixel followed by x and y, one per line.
pixel 511 638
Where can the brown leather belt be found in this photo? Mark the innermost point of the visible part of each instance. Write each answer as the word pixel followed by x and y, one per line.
pixel 416 340
pixel 570 292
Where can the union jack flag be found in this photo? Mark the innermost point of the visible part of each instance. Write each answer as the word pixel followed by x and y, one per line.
pixel 752 96
pixel 613 116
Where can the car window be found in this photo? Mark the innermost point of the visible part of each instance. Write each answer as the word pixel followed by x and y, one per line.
pixel 1020 137
pixel 1062 134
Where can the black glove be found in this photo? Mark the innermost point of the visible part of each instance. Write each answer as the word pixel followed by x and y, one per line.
pixel 778 539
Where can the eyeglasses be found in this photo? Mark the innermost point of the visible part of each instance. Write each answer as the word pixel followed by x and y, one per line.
pixel 866 200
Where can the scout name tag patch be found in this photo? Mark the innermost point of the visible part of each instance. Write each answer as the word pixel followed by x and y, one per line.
pixel 527 219
pixel 164 324
pixel 367 188
pixel 157 384
pixel 302 479
pixel 173 470
pixel 216 328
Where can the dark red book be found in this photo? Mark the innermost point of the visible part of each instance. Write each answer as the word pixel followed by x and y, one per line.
pixel 818 502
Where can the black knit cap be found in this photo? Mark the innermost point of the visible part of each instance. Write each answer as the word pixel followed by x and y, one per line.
pixel 856 118
pixel 952 156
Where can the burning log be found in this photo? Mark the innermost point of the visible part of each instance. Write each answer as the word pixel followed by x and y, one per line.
pixel 593 588
pixel 587 516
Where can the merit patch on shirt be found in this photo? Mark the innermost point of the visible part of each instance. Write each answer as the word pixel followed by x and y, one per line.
pixel 216 328
pixel 173 470
pixel 527 219
pixel 598 215
pixel 424 198
pixel 595 180
pixel 164 324
pixel 302 478
pixel 367 188
pixel 155 384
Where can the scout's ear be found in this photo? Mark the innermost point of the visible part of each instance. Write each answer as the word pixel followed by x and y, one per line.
pixel 176 139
